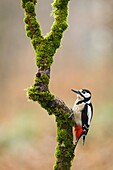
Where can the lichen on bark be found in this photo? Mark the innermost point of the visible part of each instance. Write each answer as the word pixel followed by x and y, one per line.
pixel 45 48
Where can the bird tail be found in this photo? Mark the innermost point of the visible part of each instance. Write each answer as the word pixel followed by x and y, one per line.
pixel 83 139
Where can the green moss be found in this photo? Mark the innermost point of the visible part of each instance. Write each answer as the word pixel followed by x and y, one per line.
pixel 64 157
pixel 43 79
pixel 60 4
pixel 65 147
pixel 33 29
pixel 40 62
pixel 45 52
pixel 44 98
pixel 26 1
pixel 32 93
pixel 36 27
pixel 29 34
pixel 61 135
pixel 29 7
pixel 36 41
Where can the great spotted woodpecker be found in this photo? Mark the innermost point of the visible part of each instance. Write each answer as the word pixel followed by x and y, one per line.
pixel 82 113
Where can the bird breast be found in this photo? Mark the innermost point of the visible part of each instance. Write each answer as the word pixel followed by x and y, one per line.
pixel 77 110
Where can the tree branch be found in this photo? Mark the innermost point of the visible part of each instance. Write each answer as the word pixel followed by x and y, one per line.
pixel 45 48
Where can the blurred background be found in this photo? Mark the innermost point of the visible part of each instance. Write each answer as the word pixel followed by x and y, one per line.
pixel 85 60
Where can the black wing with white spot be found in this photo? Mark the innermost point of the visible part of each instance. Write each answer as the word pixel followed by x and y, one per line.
pixel 87 113
pixel 85 119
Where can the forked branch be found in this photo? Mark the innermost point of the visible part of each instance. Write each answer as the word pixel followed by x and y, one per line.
pixel 45 48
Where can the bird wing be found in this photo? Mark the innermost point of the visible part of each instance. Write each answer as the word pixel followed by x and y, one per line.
pixel 86 117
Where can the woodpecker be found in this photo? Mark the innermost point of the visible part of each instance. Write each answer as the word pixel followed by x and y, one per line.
pixel 82 113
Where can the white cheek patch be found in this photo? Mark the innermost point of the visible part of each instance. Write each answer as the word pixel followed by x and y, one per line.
pixel 87 95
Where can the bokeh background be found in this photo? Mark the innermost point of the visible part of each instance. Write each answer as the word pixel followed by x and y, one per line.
pixel 85 60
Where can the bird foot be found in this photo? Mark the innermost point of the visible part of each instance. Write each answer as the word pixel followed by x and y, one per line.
pixel 71 115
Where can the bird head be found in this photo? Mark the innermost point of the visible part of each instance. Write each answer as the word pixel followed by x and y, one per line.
pixel 83 94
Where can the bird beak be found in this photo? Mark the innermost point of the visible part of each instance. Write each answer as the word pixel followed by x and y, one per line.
pixel 76 91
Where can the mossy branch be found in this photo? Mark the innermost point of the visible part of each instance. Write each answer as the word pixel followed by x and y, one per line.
pixel 45 48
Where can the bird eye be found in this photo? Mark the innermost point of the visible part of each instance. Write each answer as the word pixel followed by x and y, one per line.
pixel 83 92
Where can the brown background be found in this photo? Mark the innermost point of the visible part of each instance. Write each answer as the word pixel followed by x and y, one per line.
pixel 85 60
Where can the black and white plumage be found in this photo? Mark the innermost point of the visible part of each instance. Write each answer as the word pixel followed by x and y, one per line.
pixel 86 117
pixel 82 112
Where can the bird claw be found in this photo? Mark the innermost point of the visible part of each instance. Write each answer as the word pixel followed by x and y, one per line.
pixel 71 115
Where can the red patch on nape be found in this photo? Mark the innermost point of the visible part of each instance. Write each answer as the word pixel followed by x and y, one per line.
pixel 78 131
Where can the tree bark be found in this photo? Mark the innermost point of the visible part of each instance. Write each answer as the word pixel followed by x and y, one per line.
pixel 45 48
